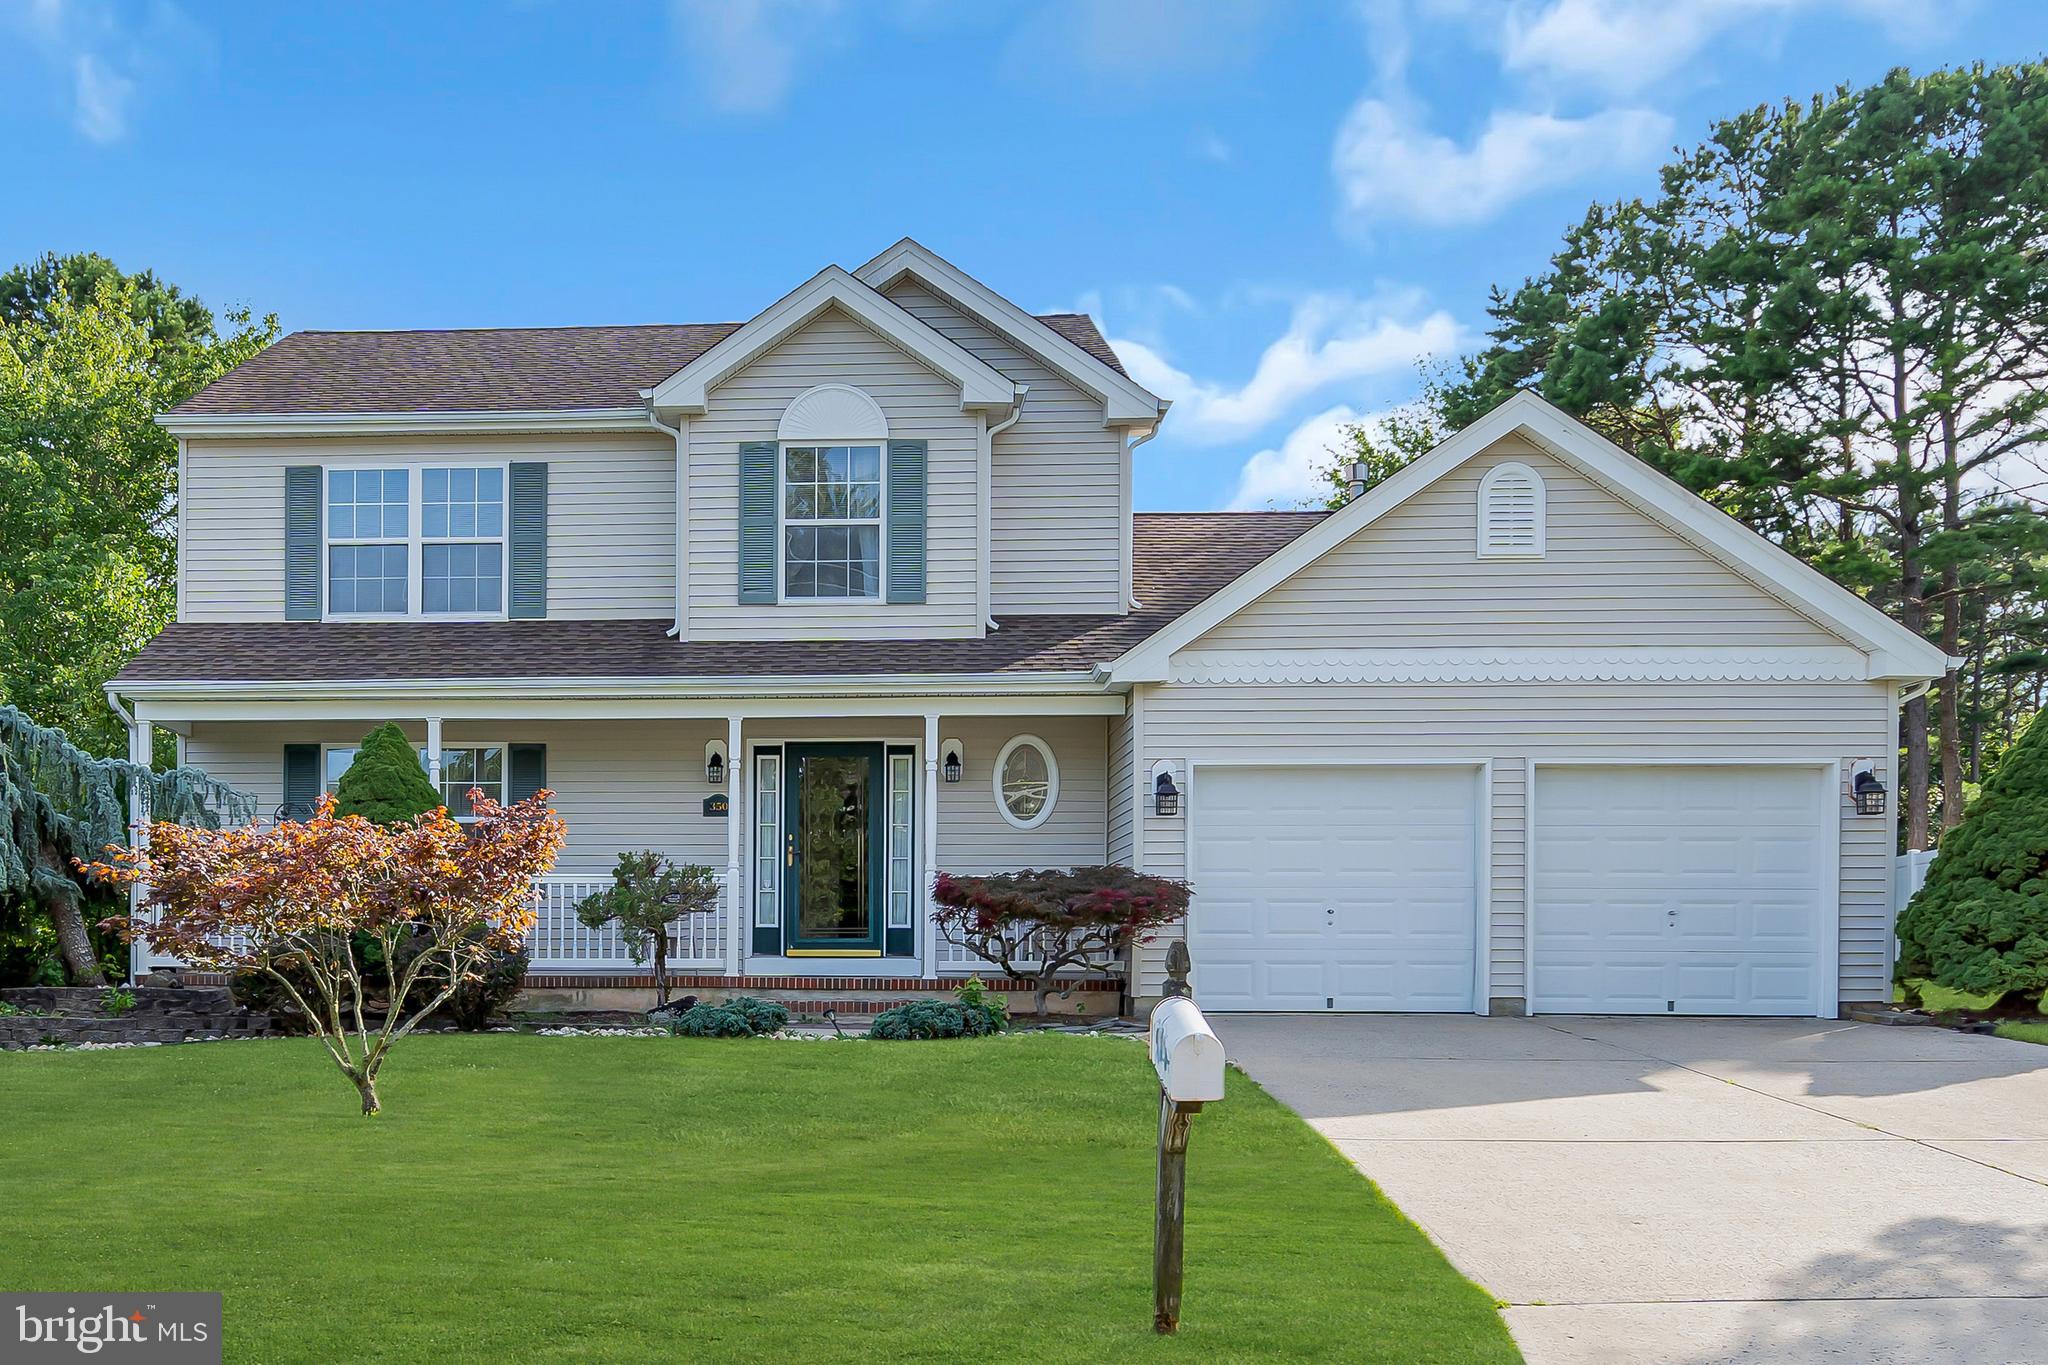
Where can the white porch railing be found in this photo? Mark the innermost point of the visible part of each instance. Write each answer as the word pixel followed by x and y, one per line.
pixel 561 942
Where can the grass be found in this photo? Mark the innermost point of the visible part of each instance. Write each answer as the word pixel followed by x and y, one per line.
pixel 1941 1000
pixel 2022 1031
pixel 610 1199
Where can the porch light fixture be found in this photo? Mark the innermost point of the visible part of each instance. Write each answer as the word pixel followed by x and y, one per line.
pixel 952 760
pixel 714 763
pixel 1165 796
pixel 1867 790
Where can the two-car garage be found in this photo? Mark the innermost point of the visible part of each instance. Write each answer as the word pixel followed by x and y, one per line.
pixel 1667 888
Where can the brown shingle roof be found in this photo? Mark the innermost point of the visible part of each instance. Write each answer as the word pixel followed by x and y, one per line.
pixel 509 369
pixel 1182 558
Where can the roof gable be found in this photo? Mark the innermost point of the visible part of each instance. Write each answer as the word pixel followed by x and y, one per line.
pixel 1125 402
pixel 685 390
pixel 1891 650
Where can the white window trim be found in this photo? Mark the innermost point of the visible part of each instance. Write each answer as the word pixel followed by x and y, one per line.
pixel 782 524
pixel 1052 782
pixel 1542 507
pixel 415 542
pixel 504 783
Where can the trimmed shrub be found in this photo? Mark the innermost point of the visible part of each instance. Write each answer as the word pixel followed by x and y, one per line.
pixel 385 785
pixel 743 1016
pixel 1980 924
pixel 475 1003
pixel 923 1019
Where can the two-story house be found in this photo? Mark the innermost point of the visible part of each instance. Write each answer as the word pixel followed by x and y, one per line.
pixel 854 590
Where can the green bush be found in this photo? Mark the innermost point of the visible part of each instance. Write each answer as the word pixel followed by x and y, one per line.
pixel 1980 924
pixel 743 1016
pixel 475 1003
pixel 385 784
pixel 921 1019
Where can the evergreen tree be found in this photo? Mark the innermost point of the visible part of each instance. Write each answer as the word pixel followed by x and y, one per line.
pixel 385 784
pixel 1980 923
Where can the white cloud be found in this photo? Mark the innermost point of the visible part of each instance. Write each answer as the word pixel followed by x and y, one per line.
pixel 1627 46
pixel 746 52
pixel 1388 166
pixel 1295 471
pixel 104 96
pixel 103 56
pixel 1204 144
pixel 1331 339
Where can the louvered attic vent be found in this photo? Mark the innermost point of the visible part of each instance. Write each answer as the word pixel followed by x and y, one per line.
pixel 1511 513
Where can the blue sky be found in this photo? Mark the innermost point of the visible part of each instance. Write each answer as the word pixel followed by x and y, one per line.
pixel 1274 210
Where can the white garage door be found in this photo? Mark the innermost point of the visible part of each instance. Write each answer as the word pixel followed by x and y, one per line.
pixel 1678 890
pixel 1321 888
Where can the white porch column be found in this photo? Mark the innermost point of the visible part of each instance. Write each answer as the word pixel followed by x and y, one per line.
pixel 434 751
pixel 930 826
pixel 738 922
pixel 139 738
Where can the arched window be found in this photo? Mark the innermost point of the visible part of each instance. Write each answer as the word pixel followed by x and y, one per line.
pixel 1511 513
pixel 833 438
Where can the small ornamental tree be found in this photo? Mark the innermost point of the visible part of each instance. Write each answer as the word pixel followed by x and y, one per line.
pixel 288 901
pixel 1036 925
pixel 385 784
pixel 1980 923
pixel 647 893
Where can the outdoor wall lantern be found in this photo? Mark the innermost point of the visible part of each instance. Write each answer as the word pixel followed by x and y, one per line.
pixel 1165 796
pixel 1867 790
pixel 952 760
pixel 714 762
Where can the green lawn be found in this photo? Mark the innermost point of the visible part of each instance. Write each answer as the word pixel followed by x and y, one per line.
pixel 531 1198
pixel 2023 1031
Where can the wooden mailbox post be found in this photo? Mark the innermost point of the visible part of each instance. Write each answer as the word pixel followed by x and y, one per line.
pixel 1188 1056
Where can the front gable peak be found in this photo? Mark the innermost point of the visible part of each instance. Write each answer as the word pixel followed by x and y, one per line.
pixel 685 391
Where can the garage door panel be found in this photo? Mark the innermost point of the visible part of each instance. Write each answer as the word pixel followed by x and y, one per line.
pixel 1677 890
pixel 1345 888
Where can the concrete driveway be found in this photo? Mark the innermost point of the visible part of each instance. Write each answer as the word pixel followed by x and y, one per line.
pixel 1696 1190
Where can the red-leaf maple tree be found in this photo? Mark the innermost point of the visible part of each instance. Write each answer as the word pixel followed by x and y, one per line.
pixel 1035 925
pixel 289 900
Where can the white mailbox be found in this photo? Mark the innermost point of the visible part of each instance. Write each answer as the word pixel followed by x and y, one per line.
pixel 1186 1052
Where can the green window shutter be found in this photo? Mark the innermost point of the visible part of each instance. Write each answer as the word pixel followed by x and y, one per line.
pixel 526 772
pixel 529 542
pixel 906 521
pixel 301 779
pixel 302 543
pixel 757 521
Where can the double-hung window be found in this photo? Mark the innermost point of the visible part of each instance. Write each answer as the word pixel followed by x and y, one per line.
pixel 831 521
pixel 416 541
pixel 462 767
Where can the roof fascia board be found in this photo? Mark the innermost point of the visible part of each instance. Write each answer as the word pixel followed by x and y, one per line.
pixel 686 390
pixel 841 685
pixel 1894 651
pixel 1124 401
pixel 198 424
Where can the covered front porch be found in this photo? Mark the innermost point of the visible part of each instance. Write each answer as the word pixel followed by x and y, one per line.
pixel 824 816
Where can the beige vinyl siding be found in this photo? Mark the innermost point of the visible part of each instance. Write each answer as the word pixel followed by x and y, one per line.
pixel 619 785
pixel 1680 722
pixel 974 836
pixel 1122 831
pixel 1056 478
pixel 611 516
pixel 1507 877
pixel 919 404
pixel 1611 576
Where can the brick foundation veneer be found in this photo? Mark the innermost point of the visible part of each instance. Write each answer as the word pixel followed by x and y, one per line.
pixel 645 980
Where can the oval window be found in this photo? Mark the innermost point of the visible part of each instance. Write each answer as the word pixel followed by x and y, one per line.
pixel 1027 781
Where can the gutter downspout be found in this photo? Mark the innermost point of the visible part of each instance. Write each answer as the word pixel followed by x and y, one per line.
pixel 987 478
pixel 675 632
pixel 1130 513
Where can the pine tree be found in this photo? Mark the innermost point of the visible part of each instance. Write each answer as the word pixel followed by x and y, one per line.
pixel 385 784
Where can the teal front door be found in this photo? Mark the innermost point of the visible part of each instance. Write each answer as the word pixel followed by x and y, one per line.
pixel 832 856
